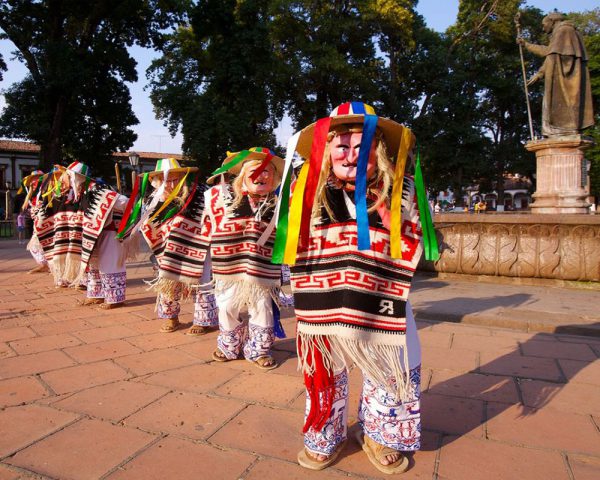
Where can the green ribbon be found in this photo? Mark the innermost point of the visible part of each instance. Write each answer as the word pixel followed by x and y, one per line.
pixel 234 161
pixel 138 207
pixel 282 221
pixel 430 244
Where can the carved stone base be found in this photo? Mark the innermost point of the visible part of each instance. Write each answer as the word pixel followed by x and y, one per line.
pixel 560 176
pixel 564 247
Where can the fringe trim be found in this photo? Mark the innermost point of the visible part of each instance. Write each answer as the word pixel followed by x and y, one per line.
pixel 246 293
pixel 386 365
pixel 169 288
pixel 34 244
pixel 67 267
pixel 132 248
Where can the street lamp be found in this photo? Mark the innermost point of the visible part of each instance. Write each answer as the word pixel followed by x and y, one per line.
pixel 134 161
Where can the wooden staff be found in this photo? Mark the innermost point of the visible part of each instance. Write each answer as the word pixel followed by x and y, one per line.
pixel 518 25
pixel 118 175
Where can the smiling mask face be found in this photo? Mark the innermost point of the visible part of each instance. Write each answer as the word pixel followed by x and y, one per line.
pixel 344 149
pixel 264 184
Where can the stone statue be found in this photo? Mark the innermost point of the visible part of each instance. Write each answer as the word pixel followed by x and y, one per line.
pixel 567 104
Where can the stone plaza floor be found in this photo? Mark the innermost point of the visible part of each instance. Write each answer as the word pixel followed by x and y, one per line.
pixel 93 394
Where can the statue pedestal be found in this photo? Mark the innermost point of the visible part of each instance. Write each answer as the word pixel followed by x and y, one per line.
pixel 560 175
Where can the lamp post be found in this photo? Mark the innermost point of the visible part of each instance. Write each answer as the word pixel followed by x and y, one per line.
pixel 134 161
pixel 7 201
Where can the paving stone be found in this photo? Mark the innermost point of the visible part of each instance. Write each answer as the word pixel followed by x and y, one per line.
pixel 113 332
pixel 461 329
pixel 195 378
pixel 474 459
pixel 156 361
pixel 451 415
pixel 473 385
pixel 250 387
pixel 481 343
pixel 268 431
pixel 430 338
pixel 585 468
pixel 16 391
pixel 146 326
pixel 15 333
pixel 581 372
pixel 456 359
pixel 102 318
pixel 538 394
pixel 7 474
pixel 175 458
pixel 516 365
pixel 34 363
pixel 114 401
pixel 101 351
pixel 67 326
pixel 571 351
pixel 422 463
pixel 42 344
pixel 202 348
pixel 287 366
pixel 6 351
pixel 83 376
pixel 156 341
pixel 85 450
pixel 185 414
pixel 269 468
pixel 21 426
pixel 546 428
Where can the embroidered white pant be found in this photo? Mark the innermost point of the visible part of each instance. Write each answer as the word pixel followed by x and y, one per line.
pixel 254 337
pixel 38 256
pixel 395 424
pixel 109 286
pixel 205 307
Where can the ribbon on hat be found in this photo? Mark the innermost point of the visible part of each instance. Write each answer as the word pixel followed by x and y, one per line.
pixel 430 245
pixel 172 195
pixel 406 145
pixel 360 191
pixel 134 205
pixel 263 165
pixel 232 163
pixel 295 215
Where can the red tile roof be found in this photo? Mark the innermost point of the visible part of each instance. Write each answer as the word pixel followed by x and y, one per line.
pixel 18 146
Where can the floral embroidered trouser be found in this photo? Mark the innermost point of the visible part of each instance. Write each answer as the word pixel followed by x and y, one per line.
pixel 385 420
pixel 168 306
pixel 109 286
pixel 255 337
pixel 38 256
pixel 206 313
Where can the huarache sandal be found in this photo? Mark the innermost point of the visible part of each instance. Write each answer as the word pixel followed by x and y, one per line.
pixel 110 306
pixel 219 356
pixel 39 269
pixel 91 301
pixel 266 362
pixel 377 452
pixel 198 330
pixel 170 325
pixel 307 459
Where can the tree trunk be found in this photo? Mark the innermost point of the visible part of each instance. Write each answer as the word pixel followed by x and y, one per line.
pixel 52 148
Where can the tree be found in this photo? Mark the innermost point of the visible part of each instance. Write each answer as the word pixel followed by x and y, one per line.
pixel 588 23
pixel 219 80
pixel 74 102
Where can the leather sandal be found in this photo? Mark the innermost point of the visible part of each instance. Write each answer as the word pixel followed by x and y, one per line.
pixel 377 452
pixel 170 325
pixel 266 362
pixel 91 301
pixel 306 459
pixel 198 330
pixel 219 356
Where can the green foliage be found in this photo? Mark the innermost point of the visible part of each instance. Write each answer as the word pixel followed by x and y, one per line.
pixel 219 80
pixel 74 101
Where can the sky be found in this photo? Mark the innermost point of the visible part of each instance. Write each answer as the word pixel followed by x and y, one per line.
pixel 153 136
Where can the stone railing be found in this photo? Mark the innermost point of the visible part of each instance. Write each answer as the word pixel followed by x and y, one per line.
pixel 565 247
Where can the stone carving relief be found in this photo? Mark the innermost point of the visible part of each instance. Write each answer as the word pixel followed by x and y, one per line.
pixel 565 252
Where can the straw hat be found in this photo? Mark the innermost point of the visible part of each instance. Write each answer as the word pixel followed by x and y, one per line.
pixel 349 113
pixel 255 153
pixel 164 166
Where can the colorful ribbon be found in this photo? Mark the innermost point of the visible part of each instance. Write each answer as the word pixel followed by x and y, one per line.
pixel 406 144
pixel 430 245
pixel 240 157
pixel 360 192
pixel 295 215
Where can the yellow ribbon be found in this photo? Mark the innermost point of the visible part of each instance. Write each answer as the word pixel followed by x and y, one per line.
pixel 406 144
pixel 171 196
pixel 291 247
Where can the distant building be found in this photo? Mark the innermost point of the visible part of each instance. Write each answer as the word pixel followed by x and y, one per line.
pixel 517 194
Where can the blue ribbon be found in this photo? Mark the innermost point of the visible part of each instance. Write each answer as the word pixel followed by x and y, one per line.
pixel 277 326
pixel 360 193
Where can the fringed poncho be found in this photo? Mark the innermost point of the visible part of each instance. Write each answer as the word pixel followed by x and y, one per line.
pixel 354 301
